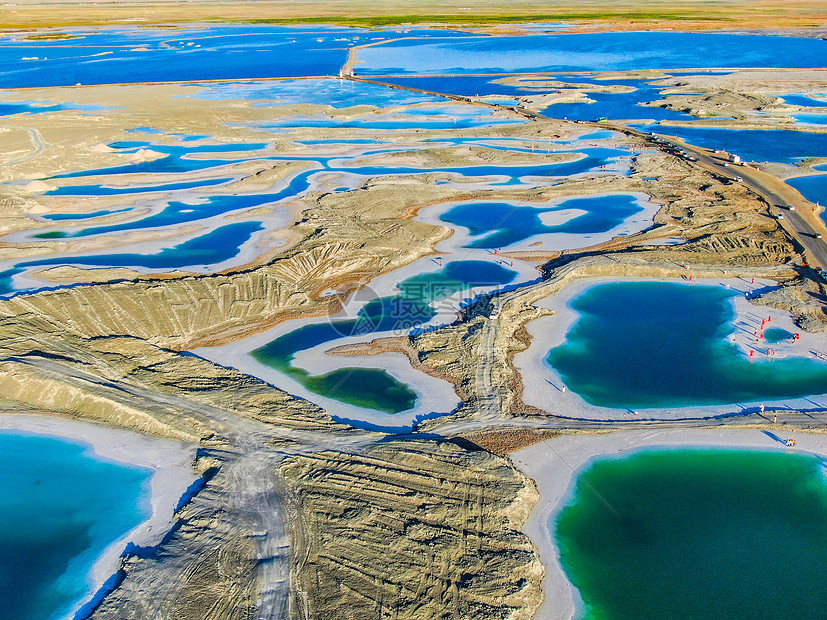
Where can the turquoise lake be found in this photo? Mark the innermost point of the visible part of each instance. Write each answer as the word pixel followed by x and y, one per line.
pixel 61 506
pixel 698 533
pixel 805 100
pixel 368 387
pixel 663 344
pixel 812 119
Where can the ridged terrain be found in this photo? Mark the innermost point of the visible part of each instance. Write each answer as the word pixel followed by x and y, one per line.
pixel 413 529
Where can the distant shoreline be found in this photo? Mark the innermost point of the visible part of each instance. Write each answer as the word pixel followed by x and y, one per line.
pixel 171 461
pixel 552 463
pixel 493 13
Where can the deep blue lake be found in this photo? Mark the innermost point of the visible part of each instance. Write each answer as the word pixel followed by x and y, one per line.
pixel 811 119
pixel 128 54
pixel 214 247
pixel 499 224
pixel 755 144
pixel 805 100
pixel 813 188
pixel 610 51
pixel 175 158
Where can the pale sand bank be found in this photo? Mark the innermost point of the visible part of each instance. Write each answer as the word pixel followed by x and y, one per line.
pixel 552 463
pixel 171 462
pixel 543 386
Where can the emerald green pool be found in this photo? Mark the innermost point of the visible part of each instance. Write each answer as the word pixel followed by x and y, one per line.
pixel 370 387
pixel 665 344
pixel 711 534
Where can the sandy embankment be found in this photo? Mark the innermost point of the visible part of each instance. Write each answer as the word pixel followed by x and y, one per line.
pixel 171 462
pixel 542 384
pixel 552 465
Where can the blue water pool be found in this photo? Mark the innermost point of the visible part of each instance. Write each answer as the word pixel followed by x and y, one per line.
pixel 663 344
pixel 688 533
pixel 459 119
pixel 212 248
pixel 128 54
pixel 40 107
pixel 813 188
pixel 811 119
pixel 499 224
pixel 611 51
pixel 755 144
pixel 806 101
pixel 59 217
pixel 368 387
pixel 104 190
pixel 175 158
pixel 60 506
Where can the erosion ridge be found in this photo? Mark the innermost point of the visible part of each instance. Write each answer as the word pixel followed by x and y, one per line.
pixel 448 519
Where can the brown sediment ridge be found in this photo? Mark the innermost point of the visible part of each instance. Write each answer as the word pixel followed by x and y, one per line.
pixel 504 441
pixel 448 520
